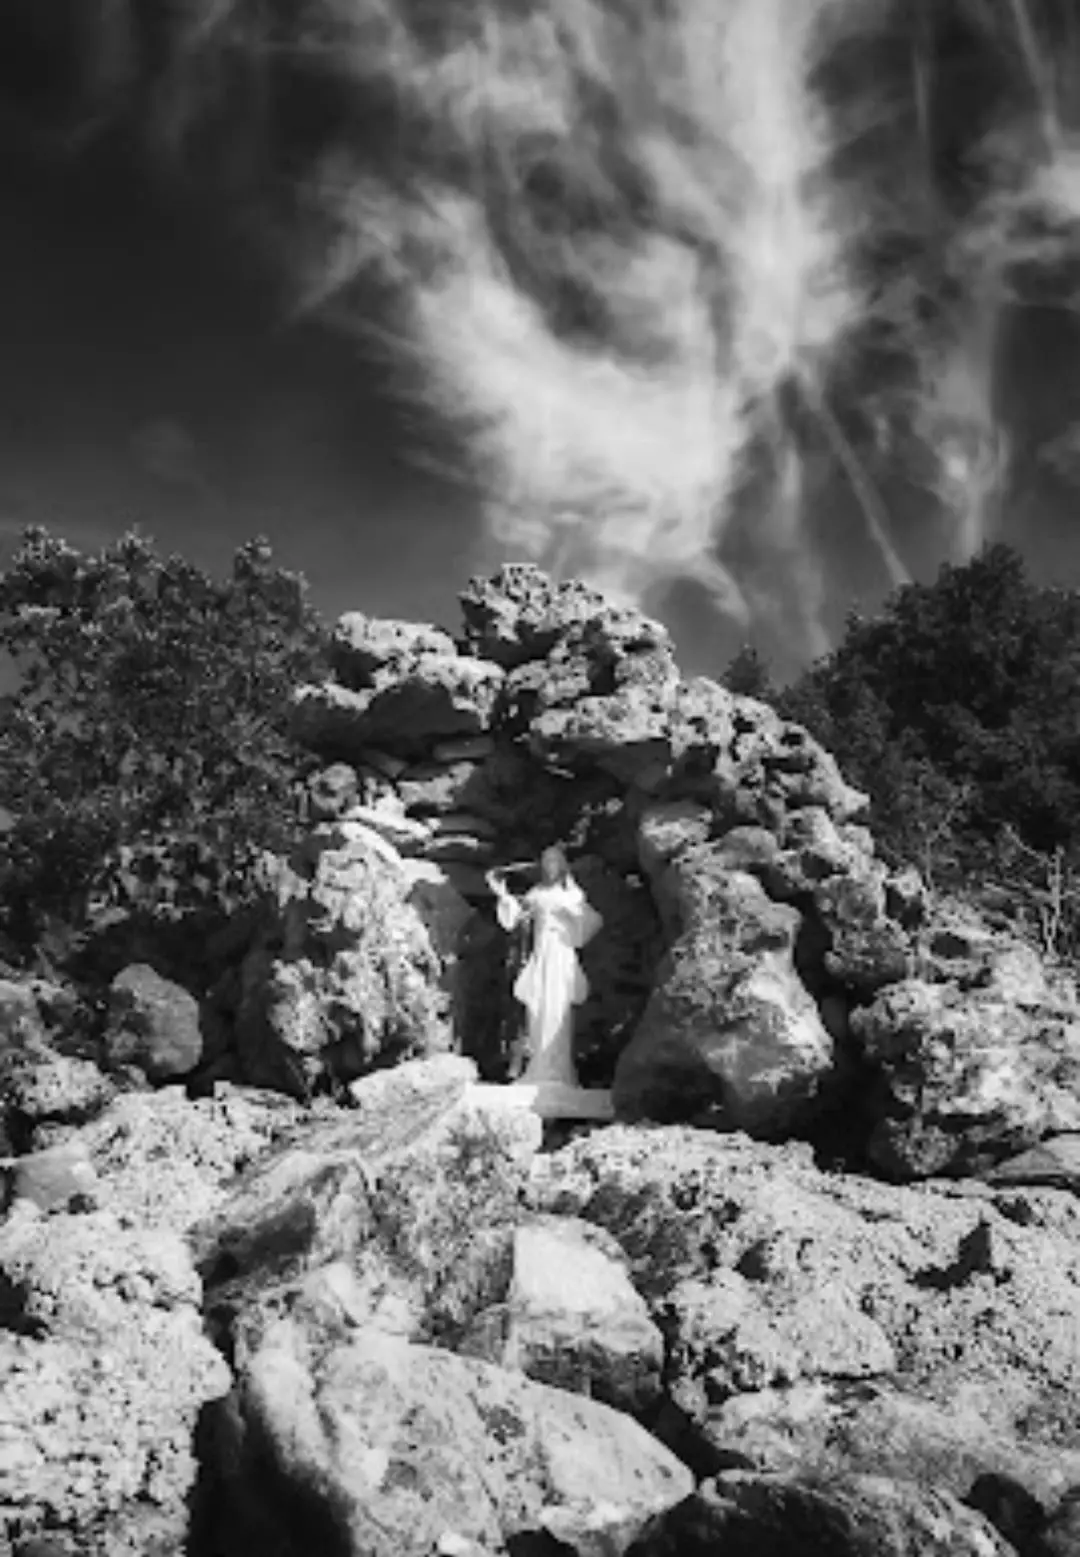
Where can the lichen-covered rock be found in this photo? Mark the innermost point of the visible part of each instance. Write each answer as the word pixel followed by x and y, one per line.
pixel 414 1192
pixel 397 1448
pixel 21 1022
pixel 362 645
pixel 520 614
pixel 47 1088
pixel 332 791
pixel 572 1317
pixel 405 706
pixel 777 1285
pixel 729 1027
pixel 667 828
pixel 162 1160
pixel 104 1369
pixel 1054 1163
pixel 752 767
pixel 387 821
pixel 836 1427
pixel 52 1180
pixel 743 1515
pixel 971 1076
pixel 48 1070
pixel 153 1024
pixel 356 981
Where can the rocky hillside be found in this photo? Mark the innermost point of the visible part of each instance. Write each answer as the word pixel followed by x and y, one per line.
pixel 276 1276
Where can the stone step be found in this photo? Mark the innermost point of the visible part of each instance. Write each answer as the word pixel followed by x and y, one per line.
pixel 549 1099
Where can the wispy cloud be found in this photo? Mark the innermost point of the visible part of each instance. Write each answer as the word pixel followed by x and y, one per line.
pixel 673 275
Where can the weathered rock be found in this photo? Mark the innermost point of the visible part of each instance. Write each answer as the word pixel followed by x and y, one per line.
pixel 1060 1536
pixel 408 1445
pixel 441 906
pixel 405 835
pixel 749 765
pixel 906 898
pixel 971 1076
pixel 625 734
pixel 357 980
pixel 729 1026
pixel 1055 1162
pixel 104 1370
pixel 667 828
pixel 332 791
pixel 520 615
pixel 837 1427
pixel 21 1022
pixel 427 788
pixel 54 1088
pixel 956 946
pixel 572 1317
pixel 162 1160
pixel 153 1024
pixel 745 1515
pixel 362 645
pixel 53 1179
pixel 46 1069
pixel 954 1304
pixel 406 707
pixel 446 1208
pixel 414 1193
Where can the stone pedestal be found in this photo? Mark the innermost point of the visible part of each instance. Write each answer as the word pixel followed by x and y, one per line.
pixel 549 1099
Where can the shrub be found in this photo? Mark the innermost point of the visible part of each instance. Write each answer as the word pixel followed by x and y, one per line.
pixel 144 757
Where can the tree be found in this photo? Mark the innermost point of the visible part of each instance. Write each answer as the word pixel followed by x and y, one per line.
pixel 748 674
pixel 149 722
pixel 958 710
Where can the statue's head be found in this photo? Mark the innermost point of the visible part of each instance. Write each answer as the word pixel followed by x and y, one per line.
pixel 554 866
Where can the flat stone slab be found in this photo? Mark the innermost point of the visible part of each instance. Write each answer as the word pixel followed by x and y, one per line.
pixel 549 1099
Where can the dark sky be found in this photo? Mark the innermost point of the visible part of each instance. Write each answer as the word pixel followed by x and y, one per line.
pixel 149 376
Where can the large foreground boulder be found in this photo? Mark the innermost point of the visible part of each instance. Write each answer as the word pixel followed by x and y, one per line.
pixel 381 1448
pixel 730 1028
pixel 573 1318
pixel 104 1370
pixel 412 1197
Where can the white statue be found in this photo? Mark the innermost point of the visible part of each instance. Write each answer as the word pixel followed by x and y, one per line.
pixel 552 982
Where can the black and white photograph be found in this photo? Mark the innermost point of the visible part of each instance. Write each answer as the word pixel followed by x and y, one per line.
pixel 539 778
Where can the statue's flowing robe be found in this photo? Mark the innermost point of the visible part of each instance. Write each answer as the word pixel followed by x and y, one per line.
pixel 552 982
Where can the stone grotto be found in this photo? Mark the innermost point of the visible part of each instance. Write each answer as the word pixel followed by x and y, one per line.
pixel 280 1270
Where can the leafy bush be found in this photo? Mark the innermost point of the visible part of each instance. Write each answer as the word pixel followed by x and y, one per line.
pixel 144 755
pixel 957 709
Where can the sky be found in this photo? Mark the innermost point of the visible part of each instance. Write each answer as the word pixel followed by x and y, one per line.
pixel 746 315
pixel 150 379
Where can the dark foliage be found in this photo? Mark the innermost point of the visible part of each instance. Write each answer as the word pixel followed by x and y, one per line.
pixel 958 710
pixel 144 756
